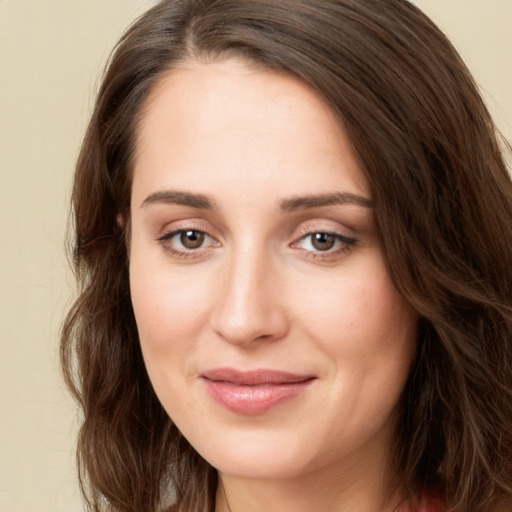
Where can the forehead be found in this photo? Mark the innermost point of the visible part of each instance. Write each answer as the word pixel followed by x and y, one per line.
pixel 229 120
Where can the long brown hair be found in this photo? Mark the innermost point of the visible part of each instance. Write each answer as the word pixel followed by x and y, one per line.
pixel 443 205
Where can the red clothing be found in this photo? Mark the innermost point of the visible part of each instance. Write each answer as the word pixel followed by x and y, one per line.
pixel 429 504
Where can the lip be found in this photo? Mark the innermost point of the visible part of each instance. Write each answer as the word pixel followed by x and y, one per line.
pixel 256 391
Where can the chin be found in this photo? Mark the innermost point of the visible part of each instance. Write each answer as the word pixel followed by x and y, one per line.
pixel 259 464
pixel 254 454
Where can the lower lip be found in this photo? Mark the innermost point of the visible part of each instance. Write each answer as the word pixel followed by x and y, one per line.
pixel 252 400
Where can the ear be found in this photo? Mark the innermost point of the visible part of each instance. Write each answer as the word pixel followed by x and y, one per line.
pixel 120 221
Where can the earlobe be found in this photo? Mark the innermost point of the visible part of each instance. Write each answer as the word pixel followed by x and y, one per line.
pixel 120 220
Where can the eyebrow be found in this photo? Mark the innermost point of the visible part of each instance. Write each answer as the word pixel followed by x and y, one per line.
pixel 203 202
pixel 316 201
pixel 199 201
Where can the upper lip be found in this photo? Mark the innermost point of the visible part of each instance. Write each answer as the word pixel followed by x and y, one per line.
pixel 254 377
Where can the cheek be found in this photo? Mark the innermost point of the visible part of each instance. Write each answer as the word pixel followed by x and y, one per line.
pixel 359 316
pixel 168 306
pixel 368 333
pixel 167 312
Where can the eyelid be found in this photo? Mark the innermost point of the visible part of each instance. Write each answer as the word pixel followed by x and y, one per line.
pixel 172 233
pixel 345 241
pixel 339 236
pixel 323 226
pixel 165 240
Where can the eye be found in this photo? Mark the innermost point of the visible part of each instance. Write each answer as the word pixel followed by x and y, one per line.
pixel 322 241
pixel 185 242
pixel 191 238
pixel 326 242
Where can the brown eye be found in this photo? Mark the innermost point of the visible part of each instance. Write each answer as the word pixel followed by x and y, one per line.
pixel 324 244
pixel 323 241
pixel 192 239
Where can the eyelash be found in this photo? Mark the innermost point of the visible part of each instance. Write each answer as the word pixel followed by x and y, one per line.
pixel 344 244
pixel 183 253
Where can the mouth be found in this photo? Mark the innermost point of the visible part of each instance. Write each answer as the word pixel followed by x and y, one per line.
pixel 256 391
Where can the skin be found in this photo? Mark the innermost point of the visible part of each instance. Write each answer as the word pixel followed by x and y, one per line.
pixel 258 293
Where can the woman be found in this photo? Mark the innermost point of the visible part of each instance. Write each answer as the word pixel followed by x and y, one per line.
pixel 293 236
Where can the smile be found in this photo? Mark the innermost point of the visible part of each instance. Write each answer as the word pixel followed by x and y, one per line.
pixel 253 392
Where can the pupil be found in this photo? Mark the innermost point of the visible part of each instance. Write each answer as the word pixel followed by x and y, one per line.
pixel 323 241
pixel 192 239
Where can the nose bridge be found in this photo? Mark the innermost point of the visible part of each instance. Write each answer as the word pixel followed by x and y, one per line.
pixel 248 307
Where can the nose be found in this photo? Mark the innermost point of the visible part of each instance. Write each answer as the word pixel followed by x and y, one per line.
pixel 250 307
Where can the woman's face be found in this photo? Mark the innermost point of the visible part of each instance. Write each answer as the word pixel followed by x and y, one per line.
pixel 270 328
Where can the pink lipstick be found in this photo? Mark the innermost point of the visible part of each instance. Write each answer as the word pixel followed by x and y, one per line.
pixel 253 392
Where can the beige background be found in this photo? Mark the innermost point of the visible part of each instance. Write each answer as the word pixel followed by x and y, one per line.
pixel 51 53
